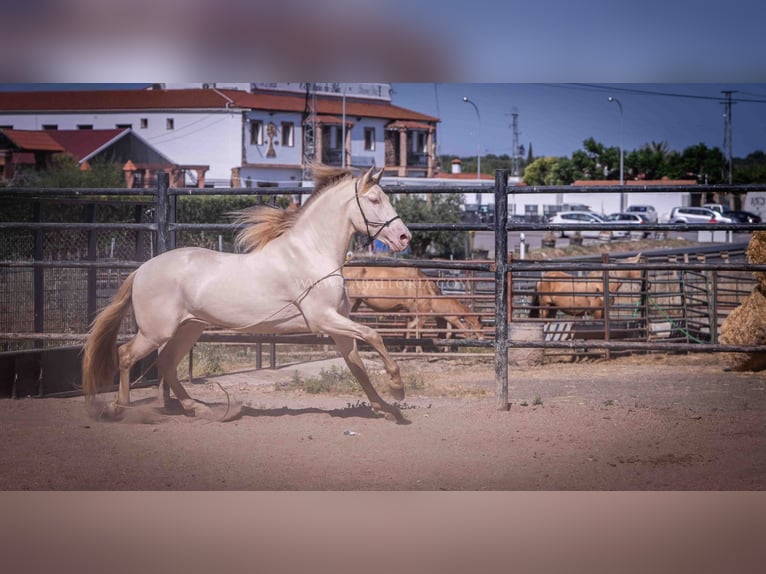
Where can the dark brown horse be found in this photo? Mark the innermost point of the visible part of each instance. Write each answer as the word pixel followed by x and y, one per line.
pixel 392 289
pixel 577 296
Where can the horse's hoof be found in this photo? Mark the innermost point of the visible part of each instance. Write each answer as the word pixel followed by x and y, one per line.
pixel 397 392
pixel 196 409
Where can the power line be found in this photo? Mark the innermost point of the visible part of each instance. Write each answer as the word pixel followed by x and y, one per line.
pixel 657 93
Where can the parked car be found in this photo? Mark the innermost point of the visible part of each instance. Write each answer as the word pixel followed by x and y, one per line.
pixel 741 216
pixel 628 217
pixel 696 215
pixel 647 211
pixel 578 217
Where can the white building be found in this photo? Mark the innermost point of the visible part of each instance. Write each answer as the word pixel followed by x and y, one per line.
pixel 246 133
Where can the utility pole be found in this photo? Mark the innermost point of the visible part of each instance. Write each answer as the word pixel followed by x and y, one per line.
pixel 515 149
pixel 309 131
pixel 727 134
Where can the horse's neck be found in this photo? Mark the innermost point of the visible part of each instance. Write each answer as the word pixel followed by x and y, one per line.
pixel 324 228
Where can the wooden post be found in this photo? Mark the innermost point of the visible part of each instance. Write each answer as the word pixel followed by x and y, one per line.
pixel 501 289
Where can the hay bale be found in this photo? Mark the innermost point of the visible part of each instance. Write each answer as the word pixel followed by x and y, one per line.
pixel 746 325
pixel 756 254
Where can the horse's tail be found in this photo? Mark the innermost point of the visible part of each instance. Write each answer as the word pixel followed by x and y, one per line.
pixel 99 361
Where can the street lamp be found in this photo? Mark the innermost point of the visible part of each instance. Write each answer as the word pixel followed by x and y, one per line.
pixel 622 177
pixel 478 138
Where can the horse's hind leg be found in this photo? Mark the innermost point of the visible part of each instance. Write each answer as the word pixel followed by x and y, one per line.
pixel 128 354
pixel 167 363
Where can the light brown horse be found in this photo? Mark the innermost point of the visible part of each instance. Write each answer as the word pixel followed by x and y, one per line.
pixel 407 289
pixel 577 296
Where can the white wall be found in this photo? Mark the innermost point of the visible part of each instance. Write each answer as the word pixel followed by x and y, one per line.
pixel 197 138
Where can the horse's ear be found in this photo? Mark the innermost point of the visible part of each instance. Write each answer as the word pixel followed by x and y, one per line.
pixel 365 179
pixel 376 178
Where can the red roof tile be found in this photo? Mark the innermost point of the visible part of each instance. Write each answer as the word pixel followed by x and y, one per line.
pixel 83 143
pixel 82 100
pixel 330 106
pixel 80 143
pixel 111 100
pixel 408 125
pixel 32 140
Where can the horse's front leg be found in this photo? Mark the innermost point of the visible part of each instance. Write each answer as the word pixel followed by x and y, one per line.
pixel 348 348
pixel 335 324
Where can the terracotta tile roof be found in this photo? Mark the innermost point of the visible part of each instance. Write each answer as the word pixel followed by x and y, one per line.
pixel 408 125
pixel 111 100
pixel 329 106
pixel 83 143
pixel 32 140
pixel 82 100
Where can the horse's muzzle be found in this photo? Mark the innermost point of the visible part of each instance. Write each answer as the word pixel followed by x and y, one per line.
pixel 397 236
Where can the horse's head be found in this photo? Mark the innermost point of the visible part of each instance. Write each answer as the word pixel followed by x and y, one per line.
pixel 375 215
pixel 473 323
pixel 616 278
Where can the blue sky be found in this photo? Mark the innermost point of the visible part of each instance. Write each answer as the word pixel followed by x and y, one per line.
pixel 556 118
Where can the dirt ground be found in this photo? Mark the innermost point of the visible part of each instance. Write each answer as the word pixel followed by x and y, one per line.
pixel 645 422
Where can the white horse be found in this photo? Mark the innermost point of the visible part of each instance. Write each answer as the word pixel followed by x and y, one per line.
pixel 288 279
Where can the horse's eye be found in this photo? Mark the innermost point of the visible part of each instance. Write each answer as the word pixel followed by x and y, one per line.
pixel 375 200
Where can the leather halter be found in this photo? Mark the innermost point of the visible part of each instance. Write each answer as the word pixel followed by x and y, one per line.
pixel 367 222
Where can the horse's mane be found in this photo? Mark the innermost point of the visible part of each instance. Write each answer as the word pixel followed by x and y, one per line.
pixel 261 223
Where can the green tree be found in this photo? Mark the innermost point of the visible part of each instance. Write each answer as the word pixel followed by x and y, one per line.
pixel 63 170
pixel 444 208
pixel 751 169
pixel 548 171
pixel 648 162
pixel 697 162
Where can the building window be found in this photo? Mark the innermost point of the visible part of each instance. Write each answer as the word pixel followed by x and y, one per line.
pixel 421 142
pixel 50 126
pixel 144 123
pixel 170 124
pixel 256 132
pixel 287 134
pixel 84 126
pixel 124 126
pixel 369 139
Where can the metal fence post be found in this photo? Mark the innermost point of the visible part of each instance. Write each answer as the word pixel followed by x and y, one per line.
pixel 501 289
pixel 162 214
pixel 92 301
pixel 39 276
